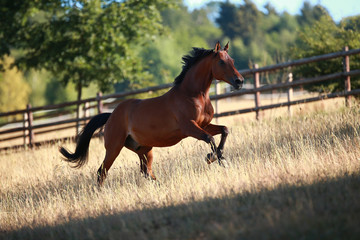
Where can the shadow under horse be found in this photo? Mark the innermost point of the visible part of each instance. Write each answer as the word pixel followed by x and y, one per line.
pixel 184 111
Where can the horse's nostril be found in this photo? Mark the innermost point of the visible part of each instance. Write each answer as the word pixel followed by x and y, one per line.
pixel 238 81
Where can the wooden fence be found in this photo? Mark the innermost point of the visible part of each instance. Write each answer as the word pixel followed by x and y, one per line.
pixel 61 116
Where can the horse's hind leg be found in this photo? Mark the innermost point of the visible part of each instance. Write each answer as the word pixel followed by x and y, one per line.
pixel 112 151
pixel 146 158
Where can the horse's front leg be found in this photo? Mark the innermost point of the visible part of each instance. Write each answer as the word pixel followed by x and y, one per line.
pixel 192 129
pixel 214 130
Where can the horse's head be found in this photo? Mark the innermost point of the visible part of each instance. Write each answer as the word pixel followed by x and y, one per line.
pixel 223 67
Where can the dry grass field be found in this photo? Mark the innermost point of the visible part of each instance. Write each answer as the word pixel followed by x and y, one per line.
pixel 288 178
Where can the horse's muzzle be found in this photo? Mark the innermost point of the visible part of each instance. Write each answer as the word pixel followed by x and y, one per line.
pixel 238 83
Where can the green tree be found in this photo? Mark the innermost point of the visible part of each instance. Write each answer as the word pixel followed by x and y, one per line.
pixel 14 91
pixel 323 37
pixel 242 21
pixel 81 41
pixel 257 37
pixel 310 14
pixel 229 20
pixel 38 80
pixel 185 30
pixel 250 18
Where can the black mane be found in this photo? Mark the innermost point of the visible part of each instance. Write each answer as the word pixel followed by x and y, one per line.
pixel 189 60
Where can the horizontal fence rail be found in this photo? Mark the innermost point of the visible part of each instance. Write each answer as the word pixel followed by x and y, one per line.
pixel 277 86
pixel 35 121
pixel 303 61
pixel 277 105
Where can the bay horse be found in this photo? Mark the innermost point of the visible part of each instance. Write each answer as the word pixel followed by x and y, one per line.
pixel 184 111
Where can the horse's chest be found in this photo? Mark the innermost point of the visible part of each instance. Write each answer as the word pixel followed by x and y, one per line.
pixel 204 112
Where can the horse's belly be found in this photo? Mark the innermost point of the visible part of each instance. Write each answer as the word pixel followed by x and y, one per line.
pixel 154 138
pixel 156 128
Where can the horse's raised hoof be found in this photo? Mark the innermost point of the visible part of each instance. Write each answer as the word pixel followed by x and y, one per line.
pixel 210 158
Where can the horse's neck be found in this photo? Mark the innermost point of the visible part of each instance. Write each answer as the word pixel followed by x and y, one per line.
pixel 198 79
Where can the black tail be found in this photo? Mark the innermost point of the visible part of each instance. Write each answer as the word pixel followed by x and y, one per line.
pixel 82 145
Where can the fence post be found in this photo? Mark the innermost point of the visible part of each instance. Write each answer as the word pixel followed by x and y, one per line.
pixel 257 94
pixel 99 102
pixel 77 124
pixel 30 125
pixel 86 111
pixel 290 93
pixel 25 125
pixel 346 65
pixel 100 109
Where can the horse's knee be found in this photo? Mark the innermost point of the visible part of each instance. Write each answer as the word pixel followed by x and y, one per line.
pixel 208 138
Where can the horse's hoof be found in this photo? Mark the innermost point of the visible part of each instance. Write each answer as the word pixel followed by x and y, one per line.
pixel 210 158
pixel 223 163
pixel 149 176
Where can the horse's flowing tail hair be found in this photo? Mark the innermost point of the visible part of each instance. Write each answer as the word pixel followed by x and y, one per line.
pixel 79 157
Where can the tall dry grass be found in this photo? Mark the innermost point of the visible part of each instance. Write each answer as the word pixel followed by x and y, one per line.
pixel 288 178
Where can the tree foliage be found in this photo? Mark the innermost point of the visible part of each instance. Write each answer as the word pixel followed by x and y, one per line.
pixel 81 41
pixel 256 36
pixel 14 91
pixel 185 30
pixel 229 20
pixel 310 14
pixel 326 36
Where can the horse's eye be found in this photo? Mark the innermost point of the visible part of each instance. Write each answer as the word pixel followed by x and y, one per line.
pixel 222 62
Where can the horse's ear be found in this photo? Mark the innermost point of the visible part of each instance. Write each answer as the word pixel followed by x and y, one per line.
pixel 226 48
pixel 217 47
